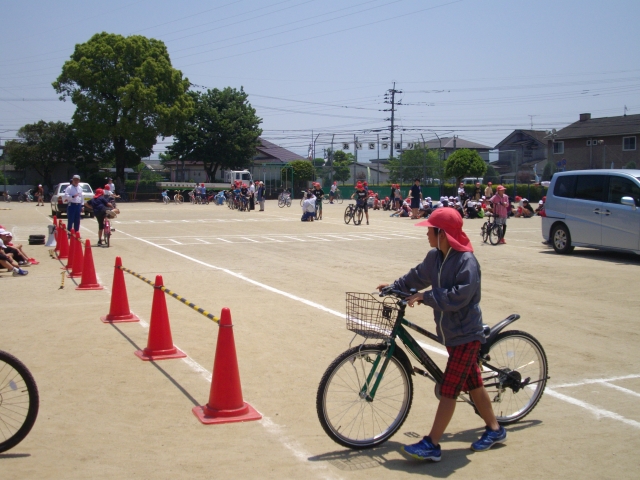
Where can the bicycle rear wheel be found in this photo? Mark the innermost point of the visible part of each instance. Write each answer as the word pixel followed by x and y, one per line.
pixel 339 199
pixel 520 353
pixel 485 232
pixel 19 401
pixel 350 419
pixel 348 215
pixel 281 202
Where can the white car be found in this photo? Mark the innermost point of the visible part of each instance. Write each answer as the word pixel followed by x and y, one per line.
pixel 59 204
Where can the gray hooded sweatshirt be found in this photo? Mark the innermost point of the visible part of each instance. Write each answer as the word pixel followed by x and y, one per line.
pixel 454 294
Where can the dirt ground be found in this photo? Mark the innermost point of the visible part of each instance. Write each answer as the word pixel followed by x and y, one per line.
pixel 106 414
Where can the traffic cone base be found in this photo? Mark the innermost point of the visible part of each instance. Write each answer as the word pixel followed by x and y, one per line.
pixel 148 355
pixel 131 317
pixel 33 261
pixel 211 416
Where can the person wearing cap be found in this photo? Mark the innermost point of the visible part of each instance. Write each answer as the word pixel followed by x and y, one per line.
pixel 416 198
pixel 500 208
pixel 112 187
pixel 477 191
pixel 361 199
pixel 318 193
pixel 453 273
pixel 39 194
pixel 101 206
pixel 526 210
pixel 75 203
pixel 488 192
pixel 540 209
pixel 7 261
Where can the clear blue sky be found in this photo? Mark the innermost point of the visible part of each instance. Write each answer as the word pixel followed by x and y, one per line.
pixel 474 68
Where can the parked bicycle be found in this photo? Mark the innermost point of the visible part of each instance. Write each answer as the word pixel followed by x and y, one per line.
pixel 337 198
pixel 6 197
pixel 492 231
pixel 25 197
pixel 178 198
pixel 366 393
pixel 353 212
pixel 165 197
pixel 19 401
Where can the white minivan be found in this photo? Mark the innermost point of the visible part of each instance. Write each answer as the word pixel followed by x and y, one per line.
pixel 593 208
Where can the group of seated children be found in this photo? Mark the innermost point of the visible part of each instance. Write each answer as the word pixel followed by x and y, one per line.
pixel 12 256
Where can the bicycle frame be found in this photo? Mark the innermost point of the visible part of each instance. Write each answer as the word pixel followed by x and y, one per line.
pixel 433 372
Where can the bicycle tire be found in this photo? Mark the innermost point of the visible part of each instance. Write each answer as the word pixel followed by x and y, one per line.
pixel 353 421
pixel 288 202
pixel 339 199
pixel 495 234
pixel 19 401
pixel 515 351
pixel 178 199
pixel 357 216
pixel 348 215
pixel 325 199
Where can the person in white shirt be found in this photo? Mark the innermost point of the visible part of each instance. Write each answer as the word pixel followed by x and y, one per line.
pixel 252 195
pixel 75 203
pixel 309 208
pixel 332 192
pixel 112 187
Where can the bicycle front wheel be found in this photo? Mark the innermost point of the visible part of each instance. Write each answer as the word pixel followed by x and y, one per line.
pixel 339 198
pixel 520 353
pixel 177 199
pixel 485 232
pixel 495 234
pixel 347 215
pixel 357 216
pixel 19 401
pixel 345 413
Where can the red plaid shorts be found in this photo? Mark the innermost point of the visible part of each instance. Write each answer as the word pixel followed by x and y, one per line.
pixel 462 372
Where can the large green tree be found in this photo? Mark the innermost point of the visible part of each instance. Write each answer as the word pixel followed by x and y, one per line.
pixel 464 163
pixel 222 131
pixel 420 163
pixel 126 93
pixel 303 171
pixel 43 146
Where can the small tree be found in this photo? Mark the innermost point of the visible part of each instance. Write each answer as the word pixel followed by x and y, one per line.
pixel 416 163
pixel 464 163
pixel 548 171
pixel 631 165
pixel 491 175
pixel 303 171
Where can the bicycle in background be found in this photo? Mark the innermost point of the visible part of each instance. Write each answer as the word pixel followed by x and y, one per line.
pixel 178 198
pixel 19 401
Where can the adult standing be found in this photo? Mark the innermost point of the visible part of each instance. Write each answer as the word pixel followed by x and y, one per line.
pixel 477 192
pixel 488 192
pixel 260 195
pixel 112 187
pixel 75 203
pixel 252 195
pixel 500 207
pixel 416 198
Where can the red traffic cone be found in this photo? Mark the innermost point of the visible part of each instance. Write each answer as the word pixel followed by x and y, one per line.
pixel 63 252
pixel 78 259
pixel 72 250
pixel 119 310
pixel 89 280
pixel 225 398
pixel 160 344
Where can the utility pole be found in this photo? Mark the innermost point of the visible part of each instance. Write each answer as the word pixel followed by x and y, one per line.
pixel 392 101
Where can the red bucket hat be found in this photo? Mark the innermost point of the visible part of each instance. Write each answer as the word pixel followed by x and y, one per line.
pixel 449 220
pixel 99 193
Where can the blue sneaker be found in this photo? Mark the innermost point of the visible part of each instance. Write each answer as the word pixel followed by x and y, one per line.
pixel 489 439
pixel 423 450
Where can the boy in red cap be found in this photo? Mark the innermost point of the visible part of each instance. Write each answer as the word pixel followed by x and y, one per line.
pixel 453 273
pixel 361 197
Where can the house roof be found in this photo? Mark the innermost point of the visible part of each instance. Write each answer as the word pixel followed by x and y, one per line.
pixel 448 143
pixel 275 153
pixel 601 127
pixel 533 135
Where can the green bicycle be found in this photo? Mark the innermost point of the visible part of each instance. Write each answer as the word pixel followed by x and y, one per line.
pixel 366 393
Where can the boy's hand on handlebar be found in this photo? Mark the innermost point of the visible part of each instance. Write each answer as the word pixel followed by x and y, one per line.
pixel 415 298
pixel 381 286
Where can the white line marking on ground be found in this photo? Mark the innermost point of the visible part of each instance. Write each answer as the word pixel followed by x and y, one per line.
pixel 621 389
pixel 293 238
pixel 318 238
pixel 272 239
pixel 174 241
pixel 596 380
pixel 250 239
pixel 598 412
pixel 218 239
pixel 203 241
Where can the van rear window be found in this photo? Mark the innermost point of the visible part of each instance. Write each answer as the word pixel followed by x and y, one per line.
pixel 590 187
pixel 565 186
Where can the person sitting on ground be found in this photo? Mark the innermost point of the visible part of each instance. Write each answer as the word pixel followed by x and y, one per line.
pixel 458 207
pixel 101 208
pixel 540 209
pixel 453 273
pixel 377 204
pixel 13 249
pixel 309 208
pixel 471 209
pixel 426 208
pixel 526 210
pixel 7 261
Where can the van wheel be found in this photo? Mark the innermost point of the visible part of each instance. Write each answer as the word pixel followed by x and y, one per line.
pixel 561 239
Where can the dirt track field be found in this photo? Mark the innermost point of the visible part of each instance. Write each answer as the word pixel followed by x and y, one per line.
pixel 106 414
